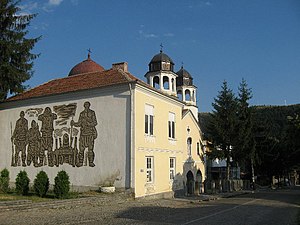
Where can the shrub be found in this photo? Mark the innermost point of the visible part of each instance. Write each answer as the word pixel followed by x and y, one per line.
pixel 41 184
pixel 4 181
pixel 61 185
pixel 22 183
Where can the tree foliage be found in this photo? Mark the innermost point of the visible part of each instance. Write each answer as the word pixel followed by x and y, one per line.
pixel 244 146
pixel 223 124
pixel 16 60
pixel 277 136
pixel 22 183
pixel 61 185
pixel 41 184
pixel 4 181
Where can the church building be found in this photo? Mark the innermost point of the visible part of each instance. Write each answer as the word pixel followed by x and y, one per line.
pixel 107 127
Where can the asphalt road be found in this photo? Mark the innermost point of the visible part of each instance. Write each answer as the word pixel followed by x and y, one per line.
pixel 262 208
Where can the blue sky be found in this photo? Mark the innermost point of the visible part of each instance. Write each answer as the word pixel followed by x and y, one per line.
pixel 217 40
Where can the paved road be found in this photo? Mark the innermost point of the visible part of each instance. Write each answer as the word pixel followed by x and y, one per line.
pixel 264 207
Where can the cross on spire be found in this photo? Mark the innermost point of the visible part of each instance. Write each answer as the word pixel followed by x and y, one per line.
pixel 161 47
pixel 89 53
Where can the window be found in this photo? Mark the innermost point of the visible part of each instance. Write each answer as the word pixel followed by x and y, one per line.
pixel 198 148
pixel 149 111
pixel 149 169
pixel 166 83
pixel 156 83
pixel 172 168
pixel 171 125
pixel 189 146
pixel 187 95
pixel 179 95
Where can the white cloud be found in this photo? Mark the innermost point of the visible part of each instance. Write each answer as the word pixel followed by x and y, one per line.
pixel 169 35
pixel 150 36
pixel 55 2
pixel 145 34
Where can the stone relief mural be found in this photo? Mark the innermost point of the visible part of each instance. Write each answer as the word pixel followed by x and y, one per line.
pixel 52 138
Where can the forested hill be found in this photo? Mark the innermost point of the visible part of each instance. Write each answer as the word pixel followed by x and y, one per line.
pixel 275 117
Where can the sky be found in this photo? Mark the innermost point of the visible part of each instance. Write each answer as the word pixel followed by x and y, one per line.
pixel 215 40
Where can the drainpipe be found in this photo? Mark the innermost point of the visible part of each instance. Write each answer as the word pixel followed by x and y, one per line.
pixel 132 141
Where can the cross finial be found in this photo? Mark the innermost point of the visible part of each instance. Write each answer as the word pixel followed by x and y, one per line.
pixel 181 64
pixel 89 53
pixel 161 47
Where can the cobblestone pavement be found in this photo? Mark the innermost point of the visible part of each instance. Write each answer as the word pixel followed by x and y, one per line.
pixel 269 207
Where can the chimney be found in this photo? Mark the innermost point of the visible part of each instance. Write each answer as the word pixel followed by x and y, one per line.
pixel 120 66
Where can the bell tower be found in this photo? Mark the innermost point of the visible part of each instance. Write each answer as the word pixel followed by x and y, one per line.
pixel 161 74
pixel 186 90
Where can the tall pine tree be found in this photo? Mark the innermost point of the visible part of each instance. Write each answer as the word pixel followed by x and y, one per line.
pixel 244 151
pixel 16 60
pixel 223 125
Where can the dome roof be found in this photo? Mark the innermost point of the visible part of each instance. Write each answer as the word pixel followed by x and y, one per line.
pixel 183 73
pixel 86 66
pixel 184 78
pixel 161 57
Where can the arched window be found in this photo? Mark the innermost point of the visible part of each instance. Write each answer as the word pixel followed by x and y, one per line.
pixel 156 82
pixel 187 95
pixel 173 84
pixel 194 97
pixel 179 95
pixel 189 146
pixel 166 83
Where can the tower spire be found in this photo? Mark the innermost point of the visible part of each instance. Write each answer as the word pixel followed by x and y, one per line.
pixel 89 53
pixel 161 47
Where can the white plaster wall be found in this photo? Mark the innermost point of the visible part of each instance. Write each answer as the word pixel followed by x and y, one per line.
pixel 112 154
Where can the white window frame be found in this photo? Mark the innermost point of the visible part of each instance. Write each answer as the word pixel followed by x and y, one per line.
pixel 171 126
pixel 172 165
pixel 149 120
pixel 149 169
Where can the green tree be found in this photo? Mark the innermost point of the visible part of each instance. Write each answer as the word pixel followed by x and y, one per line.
pixel 16 60
pixel 22 183
pixel 4 181
pixel 245 147
pixel 223 124
pixel 41 184
pixel 61 185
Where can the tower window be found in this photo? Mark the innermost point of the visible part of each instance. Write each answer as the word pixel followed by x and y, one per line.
pixel 173 84
pixel 187 95
pixel 166 83
pixel 179 95
pixel 156 82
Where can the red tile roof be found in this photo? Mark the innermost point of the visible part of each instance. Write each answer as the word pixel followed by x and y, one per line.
pixel 76 83
pixel 86 66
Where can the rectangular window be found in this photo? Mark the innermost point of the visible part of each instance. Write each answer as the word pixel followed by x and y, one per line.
pixel 149 169
pixel 172 168
pixel 149 119
pixel 171 125
pixel 198 148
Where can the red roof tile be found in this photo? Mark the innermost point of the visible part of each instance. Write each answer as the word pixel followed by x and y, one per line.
pixel 86 66
pixel 76 83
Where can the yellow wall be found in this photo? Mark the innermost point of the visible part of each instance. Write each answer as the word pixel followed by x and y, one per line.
pixel 160 147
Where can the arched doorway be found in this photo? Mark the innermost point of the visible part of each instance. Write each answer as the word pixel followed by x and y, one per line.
pixel 190 183
pixel 198 183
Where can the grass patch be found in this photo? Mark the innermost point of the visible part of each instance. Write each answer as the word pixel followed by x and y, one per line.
pixel 13 196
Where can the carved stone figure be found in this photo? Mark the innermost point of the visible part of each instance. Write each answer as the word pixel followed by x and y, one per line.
pixel 87 122
pixel 47 129
pixel 19 138
pixel 34 144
